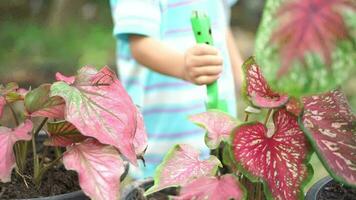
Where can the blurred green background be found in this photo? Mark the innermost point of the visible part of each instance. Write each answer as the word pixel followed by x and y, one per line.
pixel 40 37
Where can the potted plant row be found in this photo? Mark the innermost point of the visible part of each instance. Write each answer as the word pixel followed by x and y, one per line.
pixel 89 125
pixel 305 50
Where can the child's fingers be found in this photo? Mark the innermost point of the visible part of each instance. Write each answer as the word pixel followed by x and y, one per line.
pixel 204 49
pixel 207 60
pixel 207 70
pixel 204 80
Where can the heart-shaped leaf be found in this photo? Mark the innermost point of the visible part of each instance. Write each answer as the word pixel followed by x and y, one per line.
pixel 140 140
pixel 98 106
pixel 8 137
pixel 2 105
pixel 217 124
pixel 99 168
pixel 63 133
pixel 38 103
pixel 331 127
pixel 181 165
pixel 257 88
pixel 280 161
pixel 213 188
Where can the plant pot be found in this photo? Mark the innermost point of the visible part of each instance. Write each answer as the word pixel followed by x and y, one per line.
pixel 326 188
pixel 78 195
pixel 135 191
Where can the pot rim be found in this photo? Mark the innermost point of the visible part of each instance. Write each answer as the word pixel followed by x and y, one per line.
pixel 313 192
pixel 68 196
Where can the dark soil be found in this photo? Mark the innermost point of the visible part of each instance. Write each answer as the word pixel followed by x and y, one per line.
pixel 336 191
pixel 161 195
pixel 56 181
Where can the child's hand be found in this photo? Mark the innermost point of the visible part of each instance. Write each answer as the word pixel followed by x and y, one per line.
pixel 202 64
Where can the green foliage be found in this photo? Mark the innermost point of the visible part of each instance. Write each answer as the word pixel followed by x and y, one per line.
pixel 34 47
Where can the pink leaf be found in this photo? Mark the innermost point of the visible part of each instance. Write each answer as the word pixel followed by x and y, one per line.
pixel 63 133
pixel 2 105
pixel 213 188
pixel 331 126
pixel 8 137
pixel 98 106
pixel 217 124
pixel 68 79
pixel 38 103
pixel 280 160
pixel 257 88
pixel 140 140
pixel 180 166
pixel 99 168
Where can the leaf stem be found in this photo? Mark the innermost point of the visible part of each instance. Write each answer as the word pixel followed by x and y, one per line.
pixel 36 163
pixel 14 115
pixel 268 115
pixel 246 117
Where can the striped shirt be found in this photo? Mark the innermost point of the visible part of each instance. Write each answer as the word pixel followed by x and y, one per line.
pixel 166 102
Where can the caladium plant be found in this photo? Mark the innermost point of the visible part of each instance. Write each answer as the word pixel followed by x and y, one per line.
pixel 90 115
pixel 274 153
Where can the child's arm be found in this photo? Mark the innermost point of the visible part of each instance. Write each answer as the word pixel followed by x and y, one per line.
pixel 201 64
pixel 236 60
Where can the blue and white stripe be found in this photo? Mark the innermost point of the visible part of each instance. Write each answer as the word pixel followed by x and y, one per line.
pixel 166 102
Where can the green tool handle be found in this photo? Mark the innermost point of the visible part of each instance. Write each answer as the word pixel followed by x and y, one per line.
pixel 202 31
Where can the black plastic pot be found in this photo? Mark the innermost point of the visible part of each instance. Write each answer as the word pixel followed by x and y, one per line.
pixel 313 192
pixel 78 195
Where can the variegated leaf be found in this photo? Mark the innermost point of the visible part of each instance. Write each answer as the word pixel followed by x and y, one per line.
pixel 331 126
pixel 217 124
pixel 99 168
pixel 63 133
pixel 257 88
pixel 225 187
pixel 180 166
pixel 280 160
pixel 98 106
pixel 38 103
pixel 8 137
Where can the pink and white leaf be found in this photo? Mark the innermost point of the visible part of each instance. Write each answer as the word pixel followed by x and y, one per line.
pixel 99 168
pixel 217 124
pixel 8 137
pixel 180 166
pixel 213 188
pixel 280 160
pixel 38 103
pixel 140 140
pixel 257 88
pixel 66 79
pixel 329 123
pixel 98 106
pixel 63 133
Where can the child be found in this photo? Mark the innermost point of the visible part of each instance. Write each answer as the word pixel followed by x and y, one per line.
pixel 165 72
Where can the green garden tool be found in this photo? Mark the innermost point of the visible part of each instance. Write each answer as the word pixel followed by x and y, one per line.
pixel 202 31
